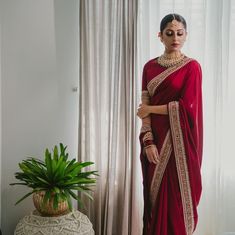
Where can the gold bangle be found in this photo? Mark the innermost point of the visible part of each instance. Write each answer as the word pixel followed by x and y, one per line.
pixel 148 146
pixel 148 136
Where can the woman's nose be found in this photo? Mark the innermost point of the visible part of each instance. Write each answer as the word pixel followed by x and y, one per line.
pixel 175 36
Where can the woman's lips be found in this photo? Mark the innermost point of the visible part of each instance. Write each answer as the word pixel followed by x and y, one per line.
pixel 175 44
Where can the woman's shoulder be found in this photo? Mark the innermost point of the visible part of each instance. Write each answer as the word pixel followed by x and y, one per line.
pixel 193 64
pixel 193 69
pixel 150 63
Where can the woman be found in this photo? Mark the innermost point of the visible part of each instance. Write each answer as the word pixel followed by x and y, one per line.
pixel 171 135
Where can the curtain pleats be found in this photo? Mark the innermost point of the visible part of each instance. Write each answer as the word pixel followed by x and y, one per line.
pixel 108 123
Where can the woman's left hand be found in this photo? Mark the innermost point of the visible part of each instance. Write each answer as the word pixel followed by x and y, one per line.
pixel 143 111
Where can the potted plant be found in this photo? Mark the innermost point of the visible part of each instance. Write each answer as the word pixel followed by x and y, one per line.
pixel 54 181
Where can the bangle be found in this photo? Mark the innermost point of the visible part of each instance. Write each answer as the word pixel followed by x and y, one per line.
pixel 148 136
pixel 148 139
pixel 148 142
pixel 148 146
pixel 145 128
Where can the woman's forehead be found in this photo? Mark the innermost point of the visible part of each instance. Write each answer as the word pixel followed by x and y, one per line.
pixel 176 25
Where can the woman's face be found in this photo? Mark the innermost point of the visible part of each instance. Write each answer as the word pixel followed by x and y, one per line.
pixel 173 36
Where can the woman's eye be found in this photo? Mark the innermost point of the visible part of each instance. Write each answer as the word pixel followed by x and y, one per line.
pixel 169 34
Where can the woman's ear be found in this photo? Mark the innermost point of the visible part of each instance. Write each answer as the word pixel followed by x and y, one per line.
pixel 160 36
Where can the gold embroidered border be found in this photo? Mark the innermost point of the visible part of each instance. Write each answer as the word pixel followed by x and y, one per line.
pixel 155 82
pixel 160 167
pixel 182 167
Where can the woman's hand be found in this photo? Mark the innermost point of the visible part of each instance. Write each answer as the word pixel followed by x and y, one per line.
pixel 152 154
pixel 143 111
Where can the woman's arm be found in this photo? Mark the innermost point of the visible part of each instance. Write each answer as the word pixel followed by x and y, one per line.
pixel 144 110
pixel 146 136
pixel 150 148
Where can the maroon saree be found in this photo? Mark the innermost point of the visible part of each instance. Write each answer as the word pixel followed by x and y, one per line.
pixel 172 188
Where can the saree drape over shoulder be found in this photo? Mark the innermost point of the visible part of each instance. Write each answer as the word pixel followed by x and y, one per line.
pixel 172 188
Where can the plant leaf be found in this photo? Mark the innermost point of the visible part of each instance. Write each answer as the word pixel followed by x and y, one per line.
pixel 68 199
pixel 55 201
pixel 55 153
pixel 46 197
pixel 48 162
pixel 25 196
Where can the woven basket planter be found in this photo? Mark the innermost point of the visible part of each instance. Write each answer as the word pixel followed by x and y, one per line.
pixel 47 209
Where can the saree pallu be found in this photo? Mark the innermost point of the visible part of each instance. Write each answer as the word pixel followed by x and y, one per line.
pixel 172 188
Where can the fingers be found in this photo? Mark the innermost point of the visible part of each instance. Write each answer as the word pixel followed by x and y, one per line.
pixel 141 114
pixel 142 111
pixel 156 156
pixel 152 154
pixel 155 159
pixel 138 113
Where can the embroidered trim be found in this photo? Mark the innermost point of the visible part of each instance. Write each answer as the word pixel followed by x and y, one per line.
pixel 145 129
pixel 160 167
pixel 145 97
pixel 148 136
pixel 155 82
pixel 181 164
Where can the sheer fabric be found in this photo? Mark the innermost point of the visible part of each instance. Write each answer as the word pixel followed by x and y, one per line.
pixel 211 34
pixel 108 123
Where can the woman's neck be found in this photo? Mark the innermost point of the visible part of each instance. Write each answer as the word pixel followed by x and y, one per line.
pixel 172 54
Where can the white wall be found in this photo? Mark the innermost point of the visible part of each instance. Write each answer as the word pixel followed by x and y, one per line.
pixel 39 68
pixel 0 122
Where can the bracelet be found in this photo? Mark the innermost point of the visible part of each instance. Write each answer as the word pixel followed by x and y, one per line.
pixel 148 142
pixel 145 128
pixel 148 139
pixel 148 136
pixel 148 146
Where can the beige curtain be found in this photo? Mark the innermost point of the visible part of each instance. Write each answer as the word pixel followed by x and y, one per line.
pixel 108 125
pixel 211 37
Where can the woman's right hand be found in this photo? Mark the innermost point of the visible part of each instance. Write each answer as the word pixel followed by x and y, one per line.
pixel 143 111
pixel 152 154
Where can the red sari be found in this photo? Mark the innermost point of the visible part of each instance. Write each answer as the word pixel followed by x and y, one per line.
pixel 172 188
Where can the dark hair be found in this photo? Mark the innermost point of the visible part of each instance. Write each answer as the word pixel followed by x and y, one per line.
pixel 168 18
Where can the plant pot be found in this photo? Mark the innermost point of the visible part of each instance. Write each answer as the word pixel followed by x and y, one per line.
pixel 47 209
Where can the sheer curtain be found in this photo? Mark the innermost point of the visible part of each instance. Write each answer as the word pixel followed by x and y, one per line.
pixel 211 37
pixel 108 127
